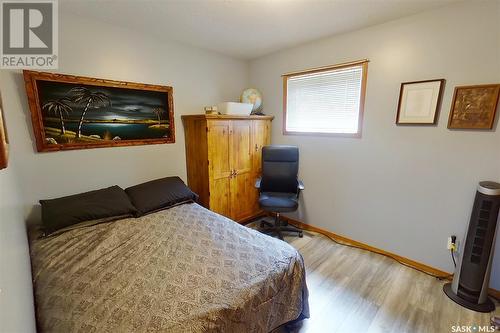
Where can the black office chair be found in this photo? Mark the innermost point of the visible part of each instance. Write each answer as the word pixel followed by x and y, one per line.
pixel 279 187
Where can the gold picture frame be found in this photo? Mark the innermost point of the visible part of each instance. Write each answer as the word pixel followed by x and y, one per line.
pixel 4 139
pixel 474 107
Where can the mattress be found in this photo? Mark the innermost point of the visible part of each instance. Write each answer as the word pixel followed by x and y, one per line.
pixel 183 269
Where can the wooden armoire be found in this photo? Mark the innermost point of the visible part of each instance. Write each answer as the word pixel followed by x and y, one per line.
pixel 223 155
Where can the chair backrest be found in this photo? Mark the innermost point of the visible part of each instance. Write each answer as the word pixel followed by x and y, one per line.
pixel 280 167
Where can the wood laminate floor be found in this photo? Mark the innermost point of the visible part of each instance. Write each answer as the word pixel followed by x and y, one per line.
pixel 352 290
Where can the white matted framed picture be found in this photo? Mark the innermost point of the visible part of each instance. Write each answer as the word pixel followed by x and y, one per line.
pixel 419 102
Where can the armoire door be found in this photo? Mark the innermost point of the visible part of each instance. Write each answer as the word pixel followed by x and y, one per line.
pixel 220 168
pixel 242 204
pixel 261 137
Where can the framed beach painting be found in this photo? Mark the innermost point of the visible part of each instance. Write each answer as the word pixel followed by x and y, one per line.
pixel 419 102
pixel 474 107
pixel 74 112
pixel 4 140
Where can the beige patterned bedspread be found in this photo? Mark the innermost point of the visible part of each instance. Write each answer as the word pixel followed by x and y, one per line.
pixel 184 269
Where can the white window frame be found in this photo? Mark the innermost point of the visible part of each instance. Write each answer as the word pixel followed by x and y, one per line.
pixel 363 63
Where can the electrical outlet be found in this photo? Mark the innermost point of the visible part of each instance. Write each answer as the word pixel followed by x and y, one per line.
pixel 449 245
pixel 452 243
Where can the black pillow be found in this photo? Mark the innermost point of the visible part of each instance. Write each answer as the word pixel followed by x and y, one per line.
pixel 159 194
pixel 95 205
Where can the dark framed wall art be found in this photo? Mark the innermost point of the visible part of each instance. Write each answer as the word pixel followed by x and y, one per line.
pixel 419 102
pixel 74 112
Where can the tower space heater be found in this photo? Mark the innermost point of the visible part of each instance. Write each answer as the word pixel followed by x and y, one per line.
pixel 472 274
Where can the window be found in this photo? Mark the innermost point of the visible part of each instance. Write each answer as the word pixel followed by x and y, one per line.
pixel 326 100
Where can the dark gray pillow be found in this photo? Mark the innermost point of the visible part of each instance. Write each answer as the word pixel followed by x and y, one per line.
pixel 159 194
pixel 102 205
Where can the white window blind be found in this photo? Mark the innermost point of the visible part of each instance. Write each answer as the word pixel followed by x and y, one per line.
pixel 325 102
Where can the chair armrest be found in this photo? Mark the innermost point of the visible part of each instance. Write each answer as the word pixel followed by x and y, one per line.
pixel 257 182
pixel 300 186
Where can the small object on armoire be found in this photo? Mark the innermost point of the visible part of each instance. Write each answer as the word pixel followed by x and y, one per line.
pixel 235 109
pixel 211 110
pixel 253 96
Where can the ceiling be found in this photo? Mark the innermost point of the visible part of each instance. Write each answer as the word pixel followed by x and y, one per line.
pixel 245 29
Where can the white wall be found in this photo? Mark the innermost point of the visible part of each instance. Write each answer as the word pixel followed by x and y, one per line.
pixel 401 189
pixel 16 295
pixel 94 49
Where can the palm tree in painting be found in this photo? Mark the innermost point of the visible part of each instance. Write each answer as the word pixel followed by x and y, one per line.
pixel 90 99
pixel 58 108
pixel 158 112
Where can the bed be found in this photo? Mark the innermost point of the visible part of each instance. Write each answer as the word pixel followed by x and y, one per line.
pixel 180 269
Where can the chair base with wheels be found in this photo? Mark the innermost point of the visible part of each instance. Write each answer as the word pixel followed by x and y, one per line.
pixel 278 227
